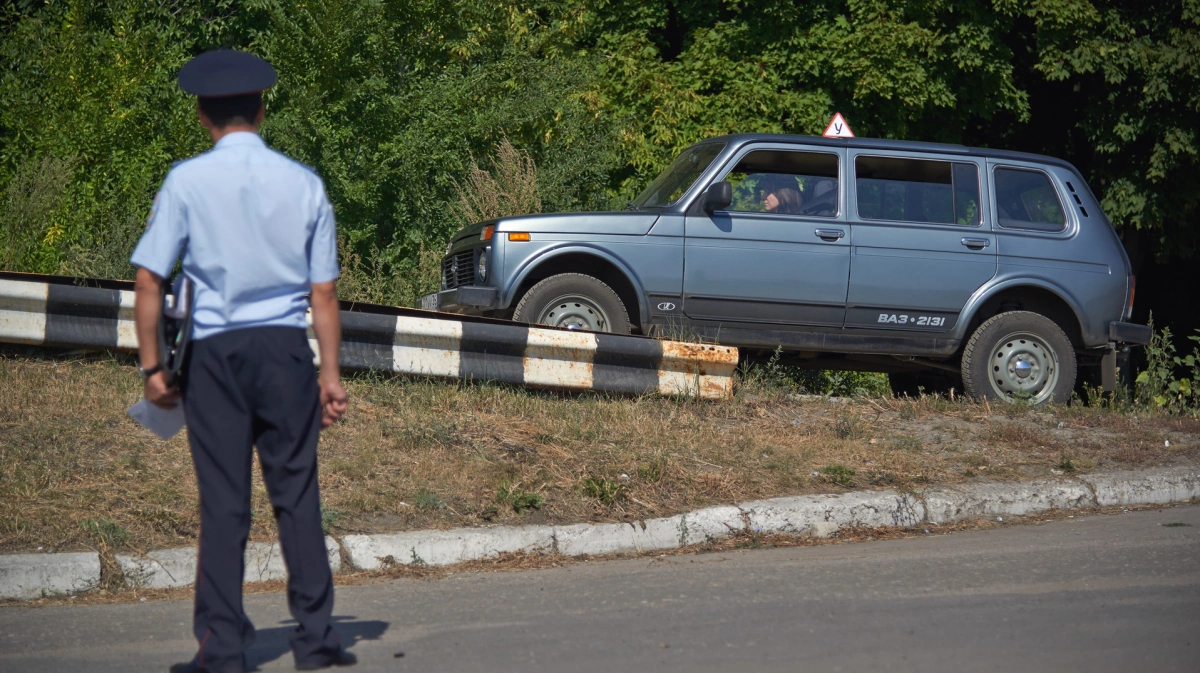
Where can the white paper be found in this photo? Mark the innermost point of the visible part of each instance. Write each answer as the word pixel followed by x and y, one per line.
pixel 162 422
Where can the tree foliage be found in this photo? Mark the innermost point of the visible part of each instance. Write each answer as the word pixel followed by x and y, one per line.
pixel 393 102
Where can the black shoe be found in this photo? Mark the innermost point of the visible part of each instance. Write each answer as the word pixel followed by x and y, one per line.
pixel 342 658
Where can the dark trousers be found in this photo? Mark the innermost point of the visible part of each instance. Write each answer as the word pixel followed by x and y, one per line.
pixel 244 388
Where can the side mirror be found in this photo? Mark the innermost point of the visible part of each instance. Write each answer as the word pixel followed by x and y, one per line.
pixel 718 196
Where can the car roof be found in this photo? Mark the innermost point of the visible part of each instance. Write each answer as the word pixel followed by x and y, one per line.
pixel 893 145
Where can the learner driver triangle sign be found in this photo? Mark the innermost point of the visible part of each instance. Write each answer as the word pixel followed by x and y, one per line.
pixel 838 128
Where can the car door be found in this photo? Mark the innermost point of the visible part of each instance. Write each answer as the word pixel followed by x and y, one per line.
pixel 921 243
pixel 786 263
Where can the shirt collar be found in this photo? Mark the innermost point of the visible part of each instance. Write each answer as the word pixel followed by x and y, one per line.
pixel 240 138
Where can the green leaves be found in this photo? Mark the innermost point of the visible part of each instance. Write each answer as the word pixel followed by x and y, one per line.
pixel 1160 381
pixel 390 102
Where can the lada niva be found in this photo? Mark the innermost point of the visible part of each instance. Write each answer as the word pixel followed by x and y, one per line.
pixel 996 271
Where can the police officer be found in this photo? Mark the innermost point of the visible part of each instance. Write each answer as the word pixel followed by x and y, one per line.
pixel 257 236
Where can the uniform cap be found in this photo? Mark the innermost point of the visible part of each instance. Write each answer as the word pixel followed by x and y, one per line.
pixel 224 72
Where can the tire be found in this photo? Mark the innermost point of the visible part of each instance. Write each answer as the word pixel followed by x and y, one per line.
pixel 574 301
pixel 1019 356
pixel 912 384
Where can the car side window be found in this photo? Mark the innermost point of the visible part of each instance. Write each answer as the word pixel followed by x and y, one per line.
pixel 786 182
pixel 917 190
pixel 1027 200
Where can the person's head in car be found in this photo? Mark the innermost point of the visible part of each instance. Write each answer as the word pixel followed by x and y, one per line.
pixel 780 195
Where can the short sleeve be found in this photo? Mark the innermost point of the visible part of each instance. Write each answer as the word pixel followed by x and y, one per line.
pixel 165 235
pixel 322 253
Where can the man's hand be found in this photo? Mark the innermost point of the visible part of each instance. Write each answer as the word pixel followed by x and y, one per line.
pixel 328 328
pixel 158 393
pixel 333 400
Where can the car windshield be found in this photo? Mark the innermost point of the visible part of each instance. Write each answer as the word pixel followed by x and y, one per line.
pixel 674 182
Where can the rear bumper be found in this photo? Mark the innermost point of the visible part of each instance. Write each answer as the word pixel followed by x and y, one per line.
pixel 466 299
pixel 1129 333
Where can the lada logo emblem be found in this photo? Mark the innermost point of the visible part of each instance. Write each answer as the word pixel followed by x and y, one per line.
pixel 666 306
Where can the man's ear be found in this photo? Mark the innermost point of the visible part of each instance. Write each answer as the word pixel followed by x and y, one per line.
pixel 262 113
pixel 204 120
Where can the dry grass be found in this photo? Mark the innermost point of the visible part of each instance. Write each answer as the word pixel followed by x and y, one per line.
pixel 76 473
pixel 510 188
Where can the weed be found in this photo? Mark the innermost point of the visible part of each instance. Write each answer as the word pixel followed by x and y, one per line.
pixel 975 460
pixel 106 532
pixel 32 199
pixel 1159 384
pixel 753 540
pixel 414 557
pixel 776 376
pixel 1065 464
pixel 883 479
pixel 838 474
pixel 518 498
pixel 604 490
pixel 847 427
pixel 510 188
pixel 329 518
pixel 1177 524
pixel 428 501
pixel 652 472
pixel 906 443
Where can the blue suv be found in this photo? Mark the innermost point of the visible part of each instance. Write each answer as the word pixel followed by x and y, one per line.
pixel 991 271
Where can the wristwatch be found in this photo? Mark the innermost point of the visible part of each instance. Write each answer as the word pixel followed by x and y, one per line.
pixel 147 373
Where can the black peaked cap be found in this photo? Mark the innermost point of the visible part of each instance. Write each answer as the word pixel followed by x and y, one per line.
pixel 224 72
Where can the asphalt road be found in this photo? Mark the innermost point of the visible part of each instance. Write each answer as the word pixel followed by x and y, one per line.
pixel 1102 593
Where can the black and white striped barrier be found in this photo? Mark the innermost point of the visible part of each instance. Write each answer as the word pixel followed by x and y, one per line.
pixel 60 312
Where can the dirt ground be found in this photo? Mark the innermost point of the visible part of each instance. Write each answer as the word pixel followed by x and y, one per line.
pixel 76 473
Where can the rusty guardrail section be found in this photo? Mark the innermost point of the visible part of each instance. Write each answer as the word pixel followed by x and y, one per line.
pixel 94 314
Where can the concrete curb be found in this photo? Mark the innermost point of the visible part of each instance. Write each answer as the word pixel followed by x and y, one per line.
pixel 168 568
pixel 25 576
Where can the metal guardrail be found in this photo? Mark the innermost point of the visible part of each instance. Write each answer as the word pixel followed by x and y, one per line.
pixel 98 314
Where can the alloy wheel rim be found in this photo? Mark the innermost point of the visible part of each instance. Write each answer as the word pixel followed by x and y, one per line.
pixel 1023 367
pixel 574 311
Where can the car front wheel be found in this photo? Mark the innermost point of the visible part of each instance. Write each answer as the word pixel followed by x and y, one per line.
pixel 1019 356
pixel 573 301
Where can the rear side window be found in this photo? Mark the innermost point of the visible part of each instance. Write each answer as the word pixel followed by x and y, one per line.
pixel 786 182
pixel 917 190
pixel 1027 200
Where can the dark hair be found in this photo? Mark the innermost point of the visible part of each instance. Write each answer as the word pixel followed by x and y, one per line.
pixel 227 110
pixel 789 200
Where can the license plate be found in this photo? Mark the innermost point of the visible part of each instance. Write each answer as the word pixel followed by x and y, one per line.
pixel 429 302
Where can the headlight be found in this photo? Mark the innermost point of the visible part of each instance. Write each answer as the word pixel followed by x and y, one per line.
pixel 481 265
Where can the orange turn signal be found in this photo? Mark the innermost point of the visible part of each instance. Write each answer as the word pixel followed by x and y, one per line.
pixel 487 232
pixel 518 236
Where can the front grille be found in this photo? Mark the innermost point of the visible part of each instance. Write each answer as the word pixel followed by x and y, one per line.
pixel 458 270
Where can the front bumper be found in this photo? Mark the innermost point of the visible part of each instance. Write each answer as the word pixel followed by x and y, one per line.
pixel 469 298
pixel 1129 333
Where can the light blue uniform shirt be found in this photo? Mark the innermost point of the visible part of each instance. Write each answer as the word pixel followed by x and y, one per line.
pixel 259 232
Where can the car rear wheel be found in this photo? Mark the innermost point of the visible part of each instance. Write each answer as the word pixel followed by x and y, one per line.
pixel 574 301
pixel 1019 356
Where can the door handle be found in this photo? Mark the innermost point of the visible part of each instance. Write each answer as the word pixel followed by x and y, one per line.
pixel 976 243
pixel 830 235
